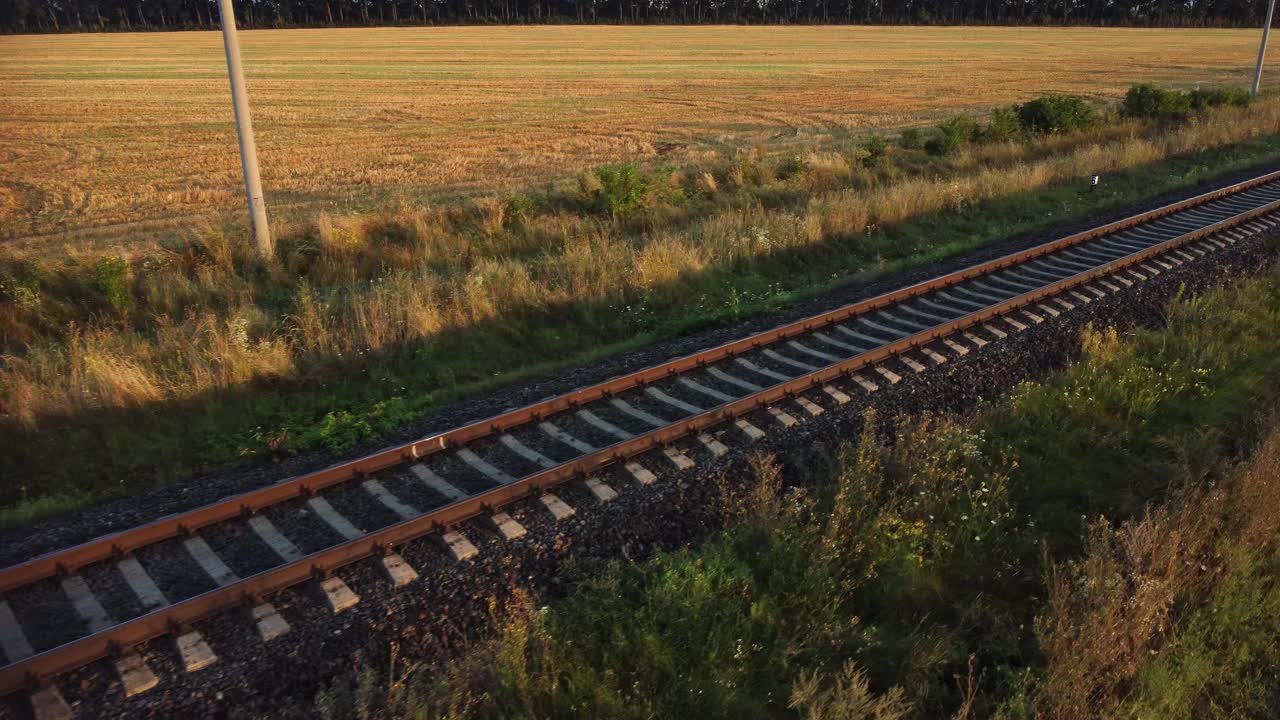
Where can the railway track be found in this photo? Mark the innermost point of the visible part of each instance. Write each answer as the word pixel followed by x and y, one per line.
pixel 101 599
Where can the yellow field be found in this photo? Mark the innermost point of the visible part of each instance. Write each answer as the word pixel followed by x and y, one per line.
pixel 119 136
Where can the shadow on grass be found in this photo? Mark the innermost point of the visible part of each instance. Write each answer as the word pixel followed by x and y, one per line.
pixel 332 404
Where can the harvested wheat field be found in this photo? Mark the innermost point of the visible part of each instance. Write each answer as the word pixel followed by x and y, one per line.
pixel 122 136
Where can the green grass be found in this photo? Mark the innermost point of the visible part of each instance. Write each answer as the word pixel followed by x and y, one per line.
pixel 910 567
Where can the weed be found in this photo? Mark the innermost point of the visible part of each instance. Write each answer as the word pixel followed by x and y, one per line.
pixel 621 188
pixel 111 280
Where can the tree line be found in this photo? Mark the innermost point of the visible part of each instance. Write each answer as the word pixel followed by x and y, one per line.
pixel 31 16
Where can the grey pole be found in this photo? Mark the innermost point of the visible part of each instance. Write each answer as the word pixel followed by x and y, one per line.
pixel 1262 51
pixel 244 129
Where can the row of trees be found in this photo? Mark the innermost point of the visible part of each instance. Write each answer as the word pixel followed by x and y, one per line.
pixel 26 16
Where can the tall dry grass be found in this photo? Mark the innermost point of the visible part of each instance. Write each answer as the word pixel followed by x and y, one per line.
pixel 205 314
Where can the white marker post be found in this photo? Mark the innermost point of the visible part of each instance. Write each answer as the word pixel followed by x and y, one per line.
pixel 244 129
pixel 1262 51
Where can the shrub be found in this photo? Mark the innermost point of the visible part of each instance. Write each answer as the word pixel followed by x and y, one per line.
pixel 519 209
pixel 877 150
pixel 1055 113
pixel 621 188
pixel 1005 125
pixel 1149 101
pixel 911 139
pixel 1202 99
pixel 111 278
pixel 952 135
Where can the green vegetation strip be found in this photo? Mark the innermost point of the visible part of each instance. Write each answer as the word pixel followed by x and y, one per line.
pixel 957 571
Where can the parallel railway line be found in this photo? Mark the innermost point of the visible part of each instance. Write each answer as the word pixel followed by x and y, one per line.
pixel 177 570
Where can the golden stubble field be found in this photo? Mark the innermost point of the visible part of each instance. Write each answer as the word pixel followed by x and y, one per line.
pixel 111 138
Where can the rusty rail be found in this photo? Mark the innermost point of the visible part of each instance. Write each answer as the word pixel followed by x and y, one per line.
pixel 44 666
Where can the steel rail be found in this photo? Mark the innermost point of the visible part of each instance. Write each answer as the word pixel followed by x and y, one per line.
pixel 44 666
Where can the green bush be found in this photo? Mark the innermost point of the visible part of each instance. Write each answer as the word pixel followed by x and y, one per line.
pixel 877 150
pixel 111 278
pixel 519 209
pixel 1005 125
pixel 1148 101
pixel 952 135
pixel 621 188
pixel 1213 97
pixel 911 139
pixel 1055 113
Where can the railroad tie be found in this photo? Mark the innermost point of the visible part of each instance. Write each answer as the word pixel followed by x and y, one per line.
pixel 643 416
pixel 772 374
pixel 911 363
pixel 12 639
pixel 555 433
pixel 505 526
pixel 1051 312
pixel 733 380
pixel 956 347
pixel 1015 324
pixel 135 676
pixel 337 595
pixel 677 458
pixel 484 467
pixel 399 572
pixel 48 704
pixel 209 561
pixel 603 425
pixel 714 446
pixel 1032 317
pixel 709 392
pixel 458 545
pixel 752 432
pixel 996 332
pixel 558 508
pixel 526 452
pixel 143 587
pixel 827 357
pixel 268 621
pixel 808 405
pixel 1065 305
pixel 640 473
pixel 889 375
pixel 1080 296
pixel 274 539
pixel 864 383
pixel 836 394
pixel 600 490
pixel 379 492
pixel 687 408
pixel 781 417
pixel 838 343
pixel 334 519
pixel 977 341
pixel 935 357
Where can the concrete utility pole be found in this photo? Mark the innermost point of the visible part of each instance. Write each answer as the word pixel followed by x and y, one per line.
pixel 1262 51
pixel 244 129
